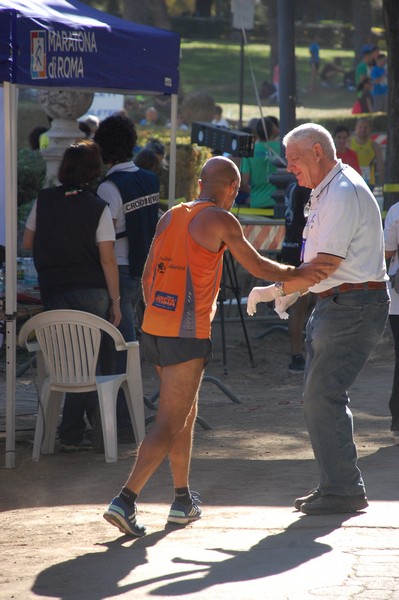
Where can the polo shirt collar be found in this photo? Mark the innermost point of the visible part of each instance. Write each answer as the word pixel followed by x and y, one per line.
pixel 327 179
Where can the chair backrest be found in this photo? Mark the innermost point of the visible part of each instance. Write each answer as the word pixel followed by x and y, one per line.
pixel 70 343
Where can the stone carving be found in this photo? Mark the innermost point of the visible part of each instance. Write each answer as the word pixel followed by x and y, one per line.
pixel 63 107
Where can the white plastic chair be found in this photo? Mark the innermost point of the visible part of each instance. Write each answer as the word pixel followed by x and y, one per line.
pixel 67 345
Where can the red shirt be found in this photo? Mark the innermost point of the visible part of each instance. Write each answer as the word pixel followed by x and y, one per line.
pixel 349 157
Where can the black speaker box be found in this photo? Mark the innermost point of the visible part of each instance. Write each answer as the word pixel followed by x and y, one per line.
pixel 222 139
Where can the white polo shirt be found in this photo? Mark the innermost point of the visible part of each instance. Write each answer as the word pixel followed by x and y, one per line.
pixel 345 221
pixel 391 235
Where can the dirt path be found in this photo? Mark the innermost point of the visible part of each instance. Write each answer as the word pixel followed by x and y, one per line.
pixel 55 544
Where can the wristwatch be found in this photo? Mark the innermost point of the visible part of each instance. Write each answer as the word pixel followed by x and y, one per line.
pixel 279 285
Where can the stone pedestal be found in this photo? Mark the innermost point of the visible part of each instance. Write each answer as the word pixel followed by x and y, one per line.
pixel 64 107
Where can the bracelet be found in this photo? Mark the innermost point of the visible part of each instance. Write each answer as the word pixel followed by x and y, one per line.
pixel 115 299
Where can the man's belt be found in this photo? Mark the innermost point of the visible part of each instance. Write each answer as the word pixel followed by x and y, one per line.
pixel 353 287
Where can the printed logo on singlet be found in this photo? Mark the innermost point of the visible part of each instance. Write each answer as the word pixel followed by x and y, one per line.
pixel 140 202
pixel 165 301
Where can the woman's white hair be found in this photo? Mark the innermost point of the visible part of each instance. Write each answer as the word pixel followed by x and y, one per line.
pixel 314 134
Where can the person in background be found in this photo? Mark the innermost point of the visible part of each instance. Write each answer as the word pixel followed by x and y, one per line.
pixel 275 133
pixel 343 227
pixel 380 84
pixel 89 125
pixel 296 199
pixel 364 65
pixel 180 124
pixel 364 97
pixel 148 159
pixel 187 254
pixel 368 152
pixel 219 119
pixel 276 82
pixel 133 197
pixel 85 129
pixel 341 137
pixel 72 236
pixel 391 235
pixel 155 145
pixel 255 170
pixel 330 71
pixel 34 137
pixel 151 118
pixel 314 51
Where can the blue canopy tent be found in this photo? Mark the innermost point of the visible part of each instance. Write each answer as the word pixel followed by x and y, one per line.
pixel 67 44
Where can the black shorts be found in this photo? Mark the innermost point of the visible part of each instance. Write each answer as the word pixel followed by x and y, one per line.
pixel 166 351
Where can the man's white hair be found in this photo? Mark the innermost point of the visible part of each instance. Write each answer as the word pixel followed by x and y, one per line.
pixel 313 134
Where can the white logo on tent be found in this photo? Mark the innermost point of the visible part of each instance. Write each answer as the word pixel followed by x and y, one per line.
pixel 38 56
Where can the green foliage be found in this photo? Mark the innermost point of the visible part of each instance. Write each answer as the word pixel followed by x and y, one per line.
pixel 31 174
pixel 179 7
pixel 215 67
pixel 189 161
pixel 379 121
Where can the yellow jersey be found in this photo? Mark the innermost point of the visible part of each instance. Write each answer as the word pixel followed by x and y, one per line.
pixel 366 155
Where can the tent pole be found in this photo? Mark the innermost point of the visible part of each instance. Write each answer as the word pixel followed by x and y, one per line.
pixel 172 160
pixel 10 145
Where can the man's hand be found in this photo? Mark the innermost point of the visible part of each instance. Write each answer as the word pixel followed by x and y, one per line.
pixel 261 294
pixel 314 272
pixel 308 274
pixel 283 302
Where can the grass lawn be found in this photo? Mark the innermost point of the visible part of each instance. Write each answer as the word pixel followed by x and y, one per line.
pixel 215 67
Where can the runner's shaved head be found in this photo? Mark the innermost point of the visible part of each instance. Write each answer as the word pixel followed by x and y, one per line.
pixel 219 171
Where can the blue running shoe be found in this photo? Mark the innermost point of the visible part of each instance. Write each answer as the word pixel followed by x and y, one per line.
pixel 123 517
pixel 185 513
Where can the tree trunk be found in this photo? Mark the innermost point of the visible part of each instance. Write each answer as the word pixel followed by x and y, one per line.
pixel 203 8
pixel 147 12
pixel 273 33
pixel 391 187
pixel 135 10
pixel 159 13
pixel 362 23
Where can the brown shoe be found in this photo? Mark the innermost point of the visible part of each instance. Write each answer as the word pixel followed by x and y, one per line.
pixel 310 497
pixel 332 505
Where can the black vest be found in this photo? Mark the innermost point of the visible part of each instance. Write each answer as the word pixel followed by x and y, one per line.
pixel 296 198
pixel 139 191
pixel 65 252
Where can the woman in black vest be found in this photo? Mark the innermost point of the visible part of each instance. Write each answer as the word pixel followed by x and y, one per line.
pixel 72 236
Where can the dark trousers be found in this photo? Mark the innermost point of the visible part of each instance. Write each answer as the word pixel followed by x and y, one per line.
pixel 394 400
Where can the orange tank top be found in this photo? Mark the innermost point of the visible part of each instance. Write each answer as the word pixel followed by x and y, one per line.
pixel 186 279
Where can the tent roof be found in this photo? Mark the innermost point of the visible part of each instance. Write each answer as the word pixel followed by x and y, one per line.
pixel 64 43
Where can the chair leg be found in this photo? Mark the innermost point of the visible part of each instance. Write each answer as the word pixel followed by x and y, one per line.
pixel 46 421
pixel 51 423
pixel 40 420
pixel 107 395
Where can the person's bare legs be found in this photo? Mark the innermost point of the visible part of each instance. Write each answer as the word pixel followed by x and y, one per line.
pixel 171 433
pixel 178 394
pixel 180 452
